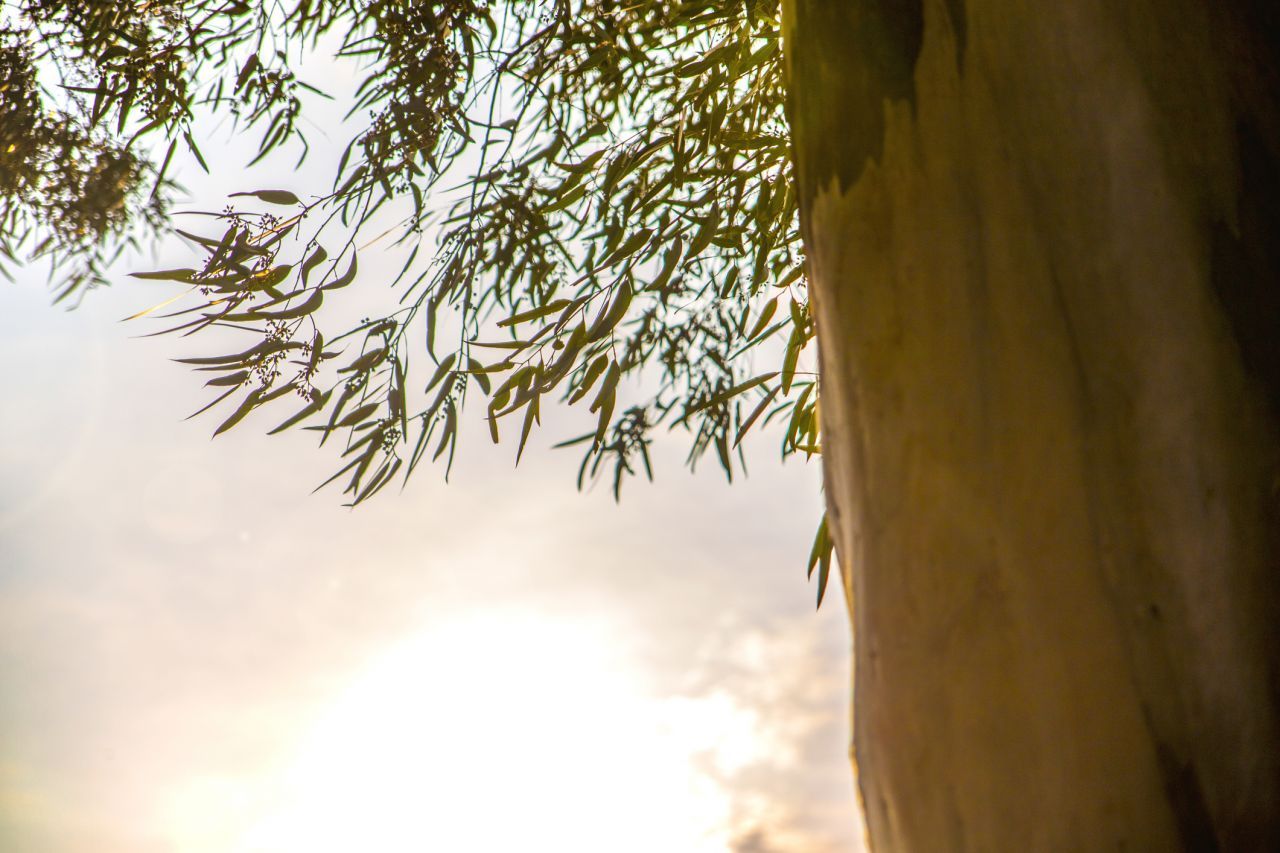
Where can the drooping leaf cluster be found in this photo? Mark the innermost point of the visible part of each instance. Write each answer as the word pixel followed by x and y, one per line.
pixel 624 236
pixel 69 191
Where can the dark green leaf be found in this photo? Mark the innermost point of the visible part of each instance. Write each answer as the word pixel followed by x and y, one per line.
pixel 250 401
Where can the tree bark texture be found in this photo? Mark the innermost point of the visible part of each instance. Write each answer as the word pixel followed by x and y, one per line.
pixel 1043 242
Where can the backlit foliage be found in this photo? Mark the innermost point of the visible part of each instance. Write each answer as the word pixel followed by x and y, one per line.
pixel 624 240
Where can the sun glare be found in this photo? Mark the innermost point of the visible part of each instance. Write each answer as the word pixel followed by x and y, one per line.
pixel 504 731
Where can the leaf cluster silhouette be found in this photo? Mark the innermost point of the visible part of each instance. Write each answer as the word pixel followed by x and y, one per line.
pixel 595 201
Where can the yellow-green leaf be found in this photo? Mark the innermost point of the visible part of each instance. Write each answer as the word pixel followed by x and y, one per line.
pixel 272 196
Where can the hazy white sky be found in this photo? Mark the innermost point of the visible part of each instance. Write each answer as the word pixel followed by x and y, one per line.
pixel 198 655
pixel 193 647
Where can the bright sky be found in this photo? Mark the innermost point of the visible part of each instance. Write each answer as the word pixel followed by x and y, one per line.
pixel 197 655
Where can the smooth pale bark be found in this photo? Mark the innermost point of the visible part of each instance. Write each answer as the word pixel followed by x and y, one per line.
pixel 1042 242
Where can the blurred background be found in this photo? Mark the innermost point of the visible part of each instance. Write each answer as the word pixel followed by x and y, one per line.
pixel 198 654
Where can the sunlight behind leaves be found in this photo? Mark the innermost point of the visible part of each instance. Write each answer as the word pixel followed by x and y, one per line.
pixel 500 730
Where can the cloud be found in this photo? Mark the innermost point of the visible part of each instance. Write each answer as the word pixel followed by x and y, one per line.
pixel 755 841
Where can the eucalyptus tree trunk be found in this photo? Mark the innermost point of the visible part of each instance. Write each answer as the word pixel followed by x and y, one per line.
pixel 1043 243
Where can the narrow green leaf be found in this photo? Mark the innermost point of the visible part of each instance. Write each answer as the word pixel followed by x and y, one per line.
pixel 358 415
pixel 283 197
pixel 534 313
pixel 477 371
pixel 593 373
pixel 232 379
pixel 264 348
pixel 315 258
pixel 441 370
pixel 670 261
pixel 722 453
pixel 763 320
pixel 819 544
pixel 755 414
pixel 216 400
pixel 207 242
pixel 607 387
pixel 194 149
pixel 585 165
pixel 450 424
pixel 789 362
pixel 246 406
pixel 511 345
pixel 705 234
pixel 824 571
pixel 183 275
pixel 572 441
pixel 799 414
pixel 821 556
pixel 302 309
pixel 730 393
pixel 610 318
pixel 344 279
pixel 307 411
pixel 607 403
pixel 365 361
pixel 567 199
pixel 530 416
pixel 628 248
